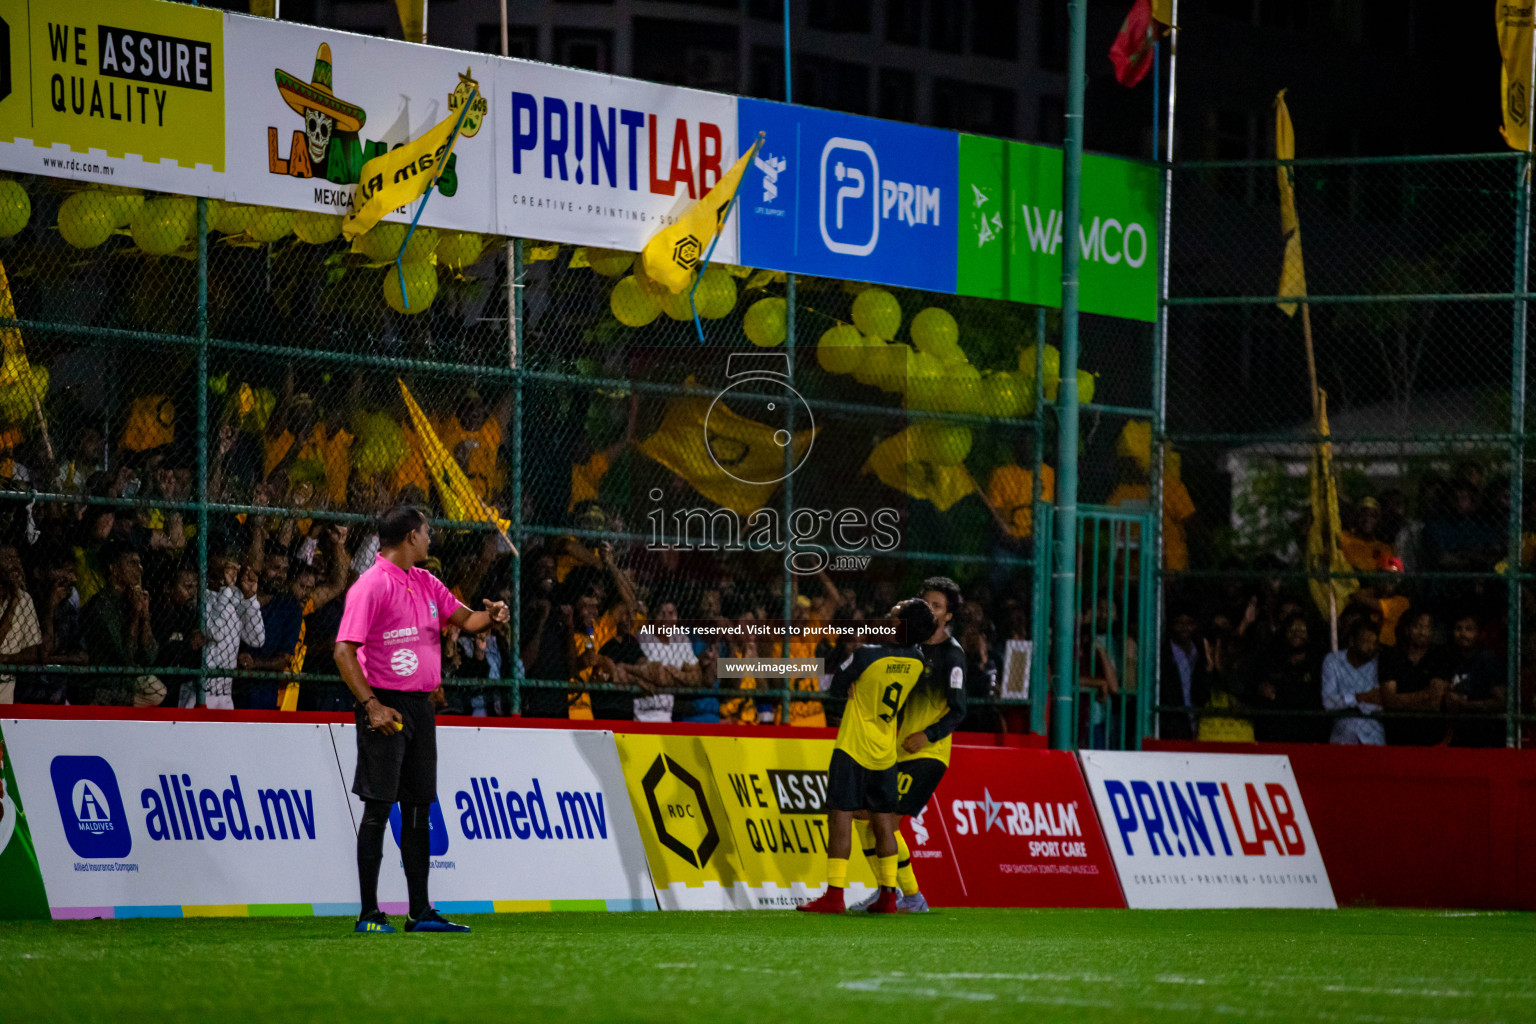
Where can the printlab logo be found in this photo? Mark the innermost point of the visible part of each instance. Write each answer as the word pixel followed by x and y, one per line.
pixel 850 180
pixel 680 813
pixel 91 807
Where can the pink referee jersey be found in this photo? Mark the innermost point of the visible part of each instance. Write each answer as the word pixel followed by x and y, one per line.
pixel 396 618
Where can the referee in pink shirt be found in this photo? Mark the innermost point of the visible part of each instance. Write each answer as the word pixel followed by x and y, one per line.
pixel 389 652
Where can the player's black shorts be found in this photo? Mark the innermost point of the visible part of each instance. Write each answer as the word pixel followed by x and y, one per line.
pixel 402 766
pixel 852 787
pixel 915 782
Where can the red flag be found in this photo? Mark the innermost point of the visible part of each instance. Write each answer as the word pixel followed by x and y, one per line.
pixel 1131 52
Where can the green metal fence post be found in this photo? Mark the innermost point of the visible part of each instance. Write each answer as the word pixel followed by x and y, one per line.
pixel 1039 669
pixel 789 465
pixel 1062 724
pixel 1517 445
pixel 517 357
pixel 202 430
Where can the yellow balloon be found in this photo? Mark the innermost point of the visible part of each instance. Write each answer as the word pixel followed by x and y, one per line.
pixel 716 296
pixel 632 304
pixel 650 284
pixel 940 443
pixel 85 220
pixel 381 243
pixel 765 322
pixel 161 226
pixel 1052 360
pixel 459 249
pixel 840 349
pixel 934 331
pixel 231 218
pixel 15 208
pixel 675 306
pixel 14 368
pixel 268 224
pixel 1007 395
pixel 609 262
pixel 421 246
pixel 962 386
pixel 875 362
pixel 896 372
pixel 420 286
pixel 877 313
pixel 1087 383
pixel 317 228
pixel 927 383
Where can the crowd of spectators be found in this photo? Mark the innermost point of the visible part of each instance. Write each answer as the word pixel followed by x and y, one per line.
pixel 101 602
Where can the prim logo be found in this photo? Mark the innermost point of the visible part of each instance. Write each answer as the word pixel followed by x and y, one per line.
pixel 679 811
pixel 91 807
pixel 855 199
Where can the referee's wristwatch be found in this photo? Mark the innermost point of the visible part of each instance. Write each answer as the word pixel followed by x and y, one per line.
pixel 362 705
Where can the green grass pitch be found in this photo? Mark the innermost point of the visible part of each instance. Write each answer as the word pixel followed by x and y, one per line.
pixel 963 965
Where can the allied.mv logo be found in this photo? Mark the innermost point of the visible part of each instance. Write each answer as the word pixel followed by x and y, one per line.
pixel 91 807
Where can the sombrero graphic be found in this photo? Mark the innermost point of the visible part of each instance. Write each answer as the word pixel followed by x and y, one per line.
pixel 316 94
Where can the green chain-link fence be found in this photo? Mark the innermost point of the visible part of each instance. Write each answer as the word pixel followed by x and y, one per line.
pixel 1416 269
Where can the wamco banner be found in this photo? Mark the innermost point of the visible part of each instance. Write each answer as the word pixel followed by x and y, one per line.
pixel 1207 830
pixel 113 93
pixel 313 106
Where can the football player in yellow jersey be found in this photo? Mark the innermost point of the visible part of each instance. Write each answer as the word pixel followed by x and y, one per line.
pixel 862 775
pixel 933 712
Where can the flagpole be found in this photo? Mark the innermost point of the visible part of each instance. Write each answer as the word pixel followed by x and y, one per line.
pixel 437 172
pixel 730 204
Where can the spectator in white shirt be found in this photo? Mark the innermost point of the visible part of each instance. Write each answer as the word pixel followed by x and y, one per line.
pixel 1349 682
pixel 231 616
pixel 672 661
pixel 20 637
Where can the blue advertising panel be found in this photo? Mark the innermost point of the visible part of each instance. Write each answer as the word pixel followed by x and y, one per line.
pixel 841 196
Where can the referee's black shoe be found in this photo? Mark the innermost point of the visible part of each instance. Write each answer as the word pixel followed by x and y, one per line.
pixel 432 921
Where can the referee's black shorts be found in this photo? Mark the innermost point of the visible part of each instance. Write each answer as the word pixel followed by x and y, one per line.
pixel 853 787
pixel 398 767
pixel 916 780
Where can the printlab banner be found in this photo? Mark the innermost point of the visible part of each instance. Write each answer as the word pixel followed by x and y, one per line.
pixel 1207 830
pixel 114 93
pixel 308 107
pixel 526 819
pixel 170 818
pixel 1012 828
pixel 1011 228
pixel 596 160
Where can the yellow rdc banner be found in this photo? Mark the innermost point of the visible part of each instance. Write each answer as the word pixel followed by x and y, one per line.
pixel 672 255
pixel 1513 22
pixel 392 180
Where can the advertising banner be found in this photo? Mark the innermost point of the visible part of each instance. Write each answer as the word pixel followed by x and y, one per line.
pixel 115 92
pixel 596 160
pixel 1207 830
pixel 1011 228
pixel 309 107
pixel 526 819
pixel 1012 828
pixel 21 883
pixel 841 196
pixel 135 819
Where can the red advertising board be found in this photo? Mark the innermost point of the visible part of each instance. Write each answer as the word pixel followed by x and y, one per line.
pixel 1012 828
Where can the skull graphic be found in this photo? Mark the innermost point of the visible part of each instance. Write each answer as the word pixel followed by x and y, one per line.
pixel 317 129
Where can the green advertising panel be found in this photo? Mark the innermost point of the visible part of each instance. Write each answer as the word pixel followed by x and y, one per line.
pixel 21 884
pixel 1011 228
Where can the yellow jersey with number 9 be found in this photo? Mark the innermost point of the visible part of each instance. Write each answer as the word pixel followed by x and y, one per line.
pixel 881 680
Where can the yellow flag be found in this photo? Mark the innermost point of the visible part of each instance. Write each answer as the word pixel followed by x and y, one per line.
pixel 672 255
pixel 1293 278
pixel 1513 22
pixel 10 337
pixel 893 463
pixel 413 20
pixel 1323 537
pixel 679 444
pixel 264 8
pixel 460 502
pixel 393 179
pixel 1162 11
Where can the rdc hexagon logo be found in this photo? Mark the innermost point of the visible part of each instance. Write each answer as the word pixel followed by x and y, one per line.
pixel 685 253
pixel 680 812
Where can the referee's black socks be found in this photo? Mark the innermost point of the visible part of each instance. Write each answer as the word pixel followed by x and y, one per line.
pixel 415 852
pixel 370 852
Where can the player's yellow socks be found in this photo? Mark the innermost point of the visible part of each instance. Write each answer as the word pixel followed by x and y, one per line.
pixel 887 872
pixel 905 876
pixel 837 871
pixel 864 834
